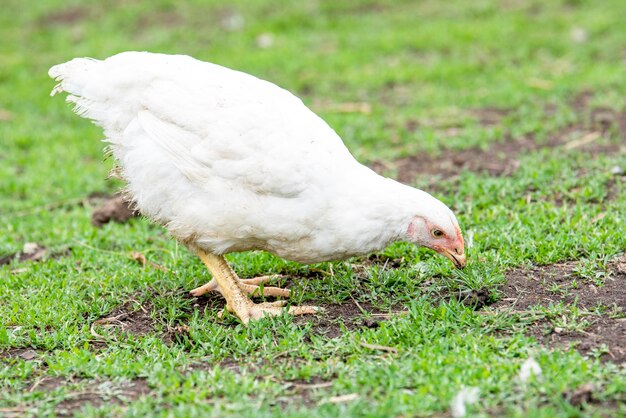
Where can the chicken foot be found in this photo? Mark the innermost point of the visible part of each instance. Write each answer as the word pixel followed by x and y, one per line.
pixel 250 286
pixel 237 301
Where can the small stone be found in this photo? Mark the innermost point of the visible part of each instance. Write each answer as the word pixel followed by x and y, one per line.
pixel 617 171
pixel 233 22
pixel 33 252
pixel 30 248
pixel 28 355
pixel 371 323
pixel 579 35
pixel 265 40
pixel 558 330
pixel 581 395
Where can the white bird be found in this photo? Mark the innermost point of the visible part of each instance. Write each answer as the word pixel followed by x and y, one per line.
pixel 228 162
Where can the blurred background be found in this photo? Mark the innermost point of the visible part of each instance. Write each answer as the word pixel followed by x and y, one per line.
pixel 394 78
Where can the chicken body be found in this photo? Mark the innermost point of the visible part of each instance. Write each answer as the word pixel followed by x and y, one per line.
pixel 228 162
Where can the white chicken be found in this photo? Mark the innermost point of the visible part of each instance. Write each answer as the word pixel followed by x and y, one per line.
pixel 228 162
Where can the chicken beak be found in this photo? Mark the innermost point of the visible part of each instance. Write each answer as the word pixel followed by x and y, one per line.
pixel 458 259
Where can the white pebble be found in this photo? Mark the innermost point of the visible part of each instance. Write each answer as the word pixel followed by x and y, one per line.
pixel 529 368
pixel 233 22
pixel 30 247
pixel 265 40
pixel 579 35
pixel 617 170
pixel 466 396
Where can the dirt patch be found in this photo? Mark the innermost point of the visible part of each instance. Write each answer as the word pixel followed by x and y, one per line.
pixel 339 317
pixel 82 392
pixel 489 116
pixel 503 158
pixel 103 392
pixel 474 298
pixel 303 391
pixel 383 261
pixel 500 159
pixel 67 16
pixel 131 317
pixel 73 393
pixel 5 115
pixel 587 394
pixel 115 208
pixel 160 19
pixel 31 252
pixel 208 301
pixel 35 253
pixel 557 283
pixel 27 354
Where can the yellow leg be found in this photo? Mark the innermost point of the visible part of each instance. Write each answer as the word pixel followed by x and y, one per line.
pixel 250 286
pixel 236 299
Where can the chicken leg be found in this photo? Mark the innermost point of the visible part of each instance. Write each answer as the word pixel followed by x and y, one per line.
pixel 250 286
pixel 236 299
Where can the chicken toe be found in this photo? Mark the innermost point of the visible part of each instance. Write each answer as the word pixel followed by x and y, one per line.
pixel 250 286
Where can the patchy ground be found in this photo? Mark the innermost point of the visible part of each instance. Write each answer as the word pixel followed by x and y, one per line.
pixel 78 393
pixel 31 252
pixel 339 318
pixel 502 158
pixel 131 317
pixel 599 325
pixel 112 209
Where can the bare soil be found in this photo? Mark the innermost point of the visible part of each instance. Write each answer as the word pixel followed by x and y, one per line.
pixel 500 159
pixel 26 354
pixel 160 19
pixel 31 252
pixel 95 393
pixel 66 17
pixel 79 392
pixel 339 317
pixel 604 307
pixel 131 317
pixel 503 158
pixel 115 208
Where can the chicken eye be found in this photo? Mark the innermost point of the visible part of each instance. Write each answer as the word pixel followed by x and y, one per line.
pixel 437 233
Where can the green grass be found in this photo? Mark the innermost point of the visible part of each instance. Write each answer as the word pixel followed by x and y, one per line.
pixel 426 63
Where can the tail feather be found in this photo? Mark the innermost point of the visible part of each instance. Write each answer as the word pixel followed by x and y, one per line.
pixel 85 81
pixel 73 76
pixel 111 92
